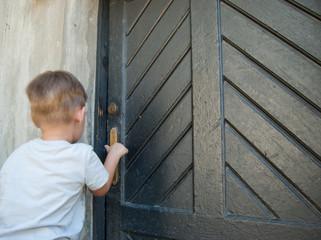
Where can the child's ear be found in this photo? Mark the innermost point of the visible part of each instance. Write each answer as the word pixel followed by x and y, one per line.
pixel 33 121
pixel 80 114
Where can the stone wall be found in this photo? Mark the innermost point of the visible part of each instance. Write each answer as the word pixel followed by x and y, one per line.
pixel 40 35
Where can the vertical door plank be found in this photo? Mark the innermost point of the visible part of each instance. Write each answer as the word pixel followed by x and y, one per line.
pixel 208 164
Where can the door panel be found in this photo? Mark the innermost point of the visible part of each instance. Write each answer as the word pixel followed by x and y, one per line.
pixel 158 99
pixel 303 122
pixel 157 38
pixel 178 163
pixel 158 148
pixel 273 125
pixel 283 18
pixel 277 55
pixel 219 104
pixel 150 80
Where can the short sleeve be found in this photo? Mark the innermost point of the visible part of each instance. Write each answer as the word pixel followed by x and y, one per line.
pixel 95 173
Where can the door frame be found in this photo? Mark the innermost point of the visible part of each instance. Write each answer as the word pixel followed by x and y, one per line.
pixel 100 120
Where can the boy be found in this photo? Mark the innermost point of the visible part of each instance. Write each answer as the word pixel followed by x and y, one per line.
pixel 41 183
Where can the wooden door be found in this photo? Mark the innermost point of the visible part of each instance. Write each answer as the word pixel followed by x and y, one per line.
pixel 219 104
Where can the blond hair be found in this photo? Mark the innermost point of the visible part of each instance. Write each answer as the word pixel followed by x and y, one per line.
pixel 54 97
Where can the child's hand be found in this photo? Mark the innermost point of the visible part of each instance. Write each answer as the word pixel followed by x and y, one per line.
pixel 117 149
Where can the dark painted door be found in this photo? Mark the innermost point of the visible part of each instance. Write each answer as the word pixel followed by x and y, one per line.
pixel 219 104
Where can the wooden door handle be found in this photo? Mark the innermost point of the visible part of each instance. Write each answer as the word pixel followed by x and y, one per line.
pixel 113 139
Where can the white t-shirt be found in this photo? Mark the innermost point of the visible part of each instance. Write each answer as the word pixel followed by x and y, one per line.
pixel 41 189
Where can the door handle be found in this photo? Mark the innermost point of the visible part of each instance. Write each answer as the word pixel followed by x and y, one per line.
pixel 113 139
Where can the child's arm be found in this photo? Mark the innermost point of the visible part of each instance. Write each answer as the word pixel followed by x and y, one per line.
pixel 115 152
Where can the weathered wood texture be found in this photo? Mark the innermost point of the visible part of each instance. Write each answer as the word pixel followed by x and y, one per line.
pixel 220 108
pixel 158 104
pixel 152 88
pixel 271 71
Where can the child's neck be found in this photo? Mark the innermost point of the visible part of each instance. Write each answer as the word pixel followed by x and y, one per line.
pixel 59 132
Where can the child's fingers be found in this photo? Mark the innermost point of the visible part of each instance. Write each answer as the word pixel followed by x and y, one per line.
pixel 107 147
pixel 125 151
pixel 117 148
pixel 121 148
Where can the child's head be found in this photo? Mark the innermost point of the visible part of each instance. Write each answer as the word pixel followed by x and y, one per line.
pixel 54 97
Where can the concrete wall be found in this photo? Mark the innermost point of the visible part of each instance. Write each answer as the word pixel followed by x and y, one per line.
pixel 40 35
